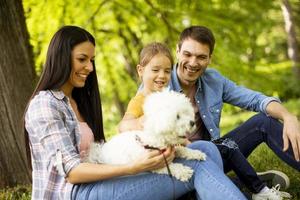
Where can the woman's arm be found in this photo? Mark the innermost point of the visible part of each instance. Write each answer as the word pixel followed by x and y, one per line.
pixel 89 172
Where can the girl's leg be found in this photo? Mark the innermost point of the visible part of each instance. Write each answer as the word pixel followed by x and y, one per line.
pixel 208 180
pixel 209 149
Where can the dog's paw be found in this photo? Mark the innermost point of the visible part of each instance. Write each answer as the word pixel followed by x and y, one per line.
pixel 197 155
pixel 181 151
pixel 179 171
pixel 190 154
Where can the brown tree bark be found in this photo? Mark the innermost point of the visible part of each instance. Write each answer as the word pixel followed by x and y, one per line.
pixel 17 77
pixel 293 45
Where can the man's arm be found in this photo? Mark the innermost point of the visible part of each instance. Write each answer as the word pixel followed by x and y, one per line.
pixel 291 127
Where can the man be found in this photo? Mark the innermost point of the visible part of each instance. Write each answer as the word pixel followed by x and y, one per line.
pixel 208 90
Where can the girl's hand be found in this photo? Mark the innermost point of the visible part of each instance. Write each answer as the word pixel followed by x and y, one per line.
pixel 140 124
pixel 187 142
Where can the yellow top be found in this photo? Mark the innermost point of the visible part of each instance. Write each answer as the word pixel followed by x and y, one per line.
pixel 135 106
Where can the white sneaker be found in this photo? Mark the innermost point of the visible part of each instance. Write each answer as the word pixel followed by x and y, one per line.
pixel 274 177
pixel 271 194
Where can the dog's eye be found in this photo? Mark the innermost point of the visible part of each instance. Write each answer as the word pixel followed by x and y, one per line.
pixel 178 116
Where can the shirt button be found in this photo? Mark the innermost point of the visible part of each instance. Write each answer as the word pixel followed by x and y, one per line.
pixel 218 110
pixel 211 130
pixel 198 101
pixel 203 116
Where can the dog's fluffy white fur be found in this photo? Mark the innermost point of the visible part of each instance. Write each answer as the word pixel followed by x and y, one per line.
pixel 168 117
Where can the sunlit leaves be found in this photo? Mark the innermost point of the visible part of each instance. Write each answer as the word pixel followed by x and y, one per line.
pixel 248 34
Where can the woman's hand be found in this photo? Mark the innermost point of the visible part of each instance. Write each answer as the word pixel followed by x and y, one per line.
pixel 154 159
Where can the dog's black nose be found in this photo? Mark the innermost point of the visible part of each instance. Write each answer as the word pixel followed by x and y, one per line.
pixel 192 123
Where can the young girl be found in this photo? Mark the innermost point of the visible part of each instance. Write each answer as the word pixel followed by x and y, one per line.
pixel 64 116
pixel 154 70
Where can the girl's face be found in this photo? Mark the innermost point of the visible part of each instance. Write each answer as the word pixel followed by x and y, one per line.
pixel 82 59
pixel 156 74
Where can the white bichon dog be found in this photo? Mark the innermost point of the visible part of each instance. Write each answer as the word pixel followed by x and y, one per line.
pixel 168 117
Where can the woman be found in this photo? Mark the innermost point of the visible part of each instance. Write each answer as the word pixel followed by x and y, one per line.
pixel 64 116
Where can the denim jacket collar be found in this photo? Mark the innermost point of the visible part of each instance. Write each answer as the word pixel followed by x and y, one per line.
pixel 175 81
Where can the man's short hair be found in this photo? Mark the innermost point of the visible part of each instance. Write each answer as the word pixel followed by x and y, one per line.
pixel 201 34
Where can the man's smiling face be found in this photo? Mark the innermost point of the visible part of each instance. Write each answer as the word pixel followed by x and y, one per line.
pixel 193 59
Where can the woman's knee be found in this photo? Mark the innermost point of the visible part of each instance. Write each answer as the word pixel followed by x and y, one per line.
pixel 209 149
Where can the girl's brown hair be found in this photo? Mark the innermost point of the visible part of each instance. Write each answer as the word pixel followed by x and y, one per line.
pixel 152 49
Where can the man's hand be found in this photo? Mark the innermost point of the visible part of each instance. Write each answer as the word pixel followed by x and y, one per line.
pixel 291 134
pixel 291 127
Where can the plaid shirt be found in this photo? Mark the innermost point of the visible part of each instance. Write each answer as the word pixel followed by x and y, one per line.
pixel 54 138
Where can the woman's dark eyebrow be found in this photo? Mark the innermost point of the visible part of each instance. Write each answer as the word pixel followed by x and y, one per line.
pixel 82 54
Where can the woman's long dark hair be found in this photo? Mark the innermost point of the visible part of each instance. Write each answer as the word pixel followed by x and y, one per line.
pixel 57 71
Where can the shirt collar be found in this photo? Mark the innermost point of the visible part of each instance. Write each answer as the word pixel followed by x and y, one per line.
pixel 176 84
pixel 58 94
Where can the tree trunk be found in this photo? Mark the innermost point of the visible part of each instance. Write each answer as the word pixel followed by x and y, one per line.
pixel 17 77
pixel 293 48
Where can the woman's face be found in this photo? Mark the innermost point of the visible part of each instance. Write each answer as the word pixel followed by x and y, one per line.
pixel 82 59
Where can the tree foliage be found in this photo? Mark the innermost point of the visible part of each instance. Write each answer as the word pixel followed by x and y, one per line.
pixel 251 41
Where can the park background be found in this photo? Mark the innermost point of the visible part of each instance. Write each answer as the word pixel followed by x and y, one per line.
pixel 257 45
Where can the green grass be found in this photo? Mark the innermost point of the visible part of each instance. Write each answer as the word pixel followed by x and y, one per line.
pixel 16 193
pixel 261 159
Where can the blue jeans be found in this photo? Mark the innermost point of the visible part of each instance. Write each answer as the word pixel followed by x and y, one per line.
pixel 258 129
pixel 208 180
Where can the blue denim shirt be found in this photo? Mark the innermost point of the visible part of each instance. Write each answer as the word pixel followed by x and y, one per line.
pixel 214 90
